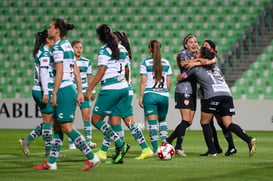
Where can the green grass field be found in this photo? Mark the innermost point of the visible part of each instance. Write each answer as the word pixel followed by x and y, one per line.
pixel 15 166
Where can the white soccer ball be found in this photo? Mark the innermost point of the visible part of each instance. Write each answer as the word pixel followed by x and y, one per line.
pixel 165 151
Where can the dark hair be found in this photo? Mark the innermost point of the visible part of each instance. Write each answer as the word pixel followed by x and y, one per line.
pixel 124 41
pixel 208 54
pixel 106 36
pixel 186 38
pixel 155 46
pixel 211 43
pixel 40 39
pixel 75 42
pixel 63 26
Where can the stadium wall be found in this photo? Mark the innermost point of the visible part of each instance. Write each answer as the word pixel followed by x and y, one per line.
pixel 250 115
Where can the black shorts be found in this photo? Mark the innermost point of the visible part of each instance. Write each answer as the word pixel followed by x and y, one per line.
pixel 221 105
pixel 185 101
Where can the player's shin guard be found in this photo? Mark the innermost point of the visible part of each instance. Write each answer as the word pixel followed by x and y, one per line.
pixel 138 135
pixel 47 135
pixel 208 138
pixel 35 133
pixel 153 134
pixel 180 134
pixel 56 146
pixel 239 132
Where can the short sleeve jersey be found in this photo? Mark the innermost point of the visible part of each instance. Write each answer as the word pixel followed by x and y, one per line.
pixel 62 51
pixel 43 59
pixel 146 68
pixel 85 68
pixel 211 81
pixel 114 76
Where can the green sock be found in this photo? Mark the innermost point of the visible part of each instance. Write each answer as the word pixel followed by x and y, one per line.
pixel 70 141
pixel 56 146
pixel 153 134
pixel 138 135
pixel 35 133
pixel 105 144
pixel 87 131
pixel 119 130
pixel 80 143
pixel 163 129
pixel 107 131
pixel 47 135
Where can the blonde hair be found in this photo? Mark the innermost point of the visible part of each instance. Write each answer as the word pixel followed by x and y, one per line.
pixel 155 46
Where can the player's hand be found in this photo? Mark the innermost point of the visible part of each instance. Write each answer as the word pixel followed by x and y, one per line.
pixel 45 99
pixel 86 95
pixel 53 100
pixel 93 97
pixel 80 99
pixel 140 102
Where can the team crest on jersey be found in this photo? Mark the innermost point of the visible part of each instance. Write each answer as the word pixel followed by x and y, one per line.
pixel 186 95
pixel 44 60
pixel 186 102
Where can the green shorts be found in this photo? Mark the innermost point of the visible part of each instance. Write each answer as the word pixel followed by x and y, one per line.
pixel 155 104
pixel 85 104
pixel 66 100
pixel 112 103
pixel 44 108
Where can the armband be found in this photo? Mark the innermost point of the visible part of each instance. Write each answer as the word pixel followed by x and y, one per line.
pixel 184 75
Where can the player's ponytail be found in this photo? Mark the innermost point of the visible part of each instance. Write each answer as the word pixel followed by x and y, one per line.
pixel 63 26
pixel 121 36
pixel 154 47
pixel 107 37
pixel 40 39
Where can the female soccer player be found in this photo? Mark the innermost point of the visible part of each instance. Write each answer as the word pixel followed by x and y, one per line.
pixel 185 94
pixel 216 99
pixel 85 68
pixel 154 89
pixel 65 96
pixel 113 97
pixel 40 92
pixel 129 118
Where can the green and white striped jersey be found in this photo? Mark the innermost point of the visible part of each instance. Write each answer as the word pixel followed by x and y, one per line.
pixel 146 68
pixel 114 77
pixel 43 60
pixel 62 51
pixel 85 67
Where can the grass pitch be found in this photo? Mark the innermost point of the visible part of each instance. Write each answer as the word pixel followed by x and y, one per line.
pixel 15 166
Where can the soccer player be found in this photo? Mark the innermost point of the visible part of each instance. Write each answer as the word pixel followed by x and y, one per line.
pixel 65 96
pixel 129 118
pixel 216 99
pixel 154 89
pixel 113 96
pixel 43 83
pixel 85 68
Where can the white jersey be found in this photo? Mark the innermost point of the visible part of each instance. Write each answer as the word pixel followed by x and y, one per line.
pixel 43 60
pixel 85 68
pixel 151 85
pixel 114 76
pixel 62 51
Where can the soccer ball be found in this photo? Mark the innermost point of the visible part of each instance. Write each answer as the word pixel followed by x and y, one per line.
pixel 165 151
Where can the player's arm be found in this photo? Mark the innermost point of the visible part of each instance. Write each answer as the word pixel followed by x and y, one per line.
pixel 169 81
pixel 143 81
pixel 78 79
pixel 89 80
pixel 44 74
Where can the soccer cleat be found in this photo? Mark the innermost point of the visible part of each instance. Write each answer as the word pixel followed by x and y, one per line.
pixel 101 154
pixel 46 166
pixel 180 153
pixel 112 162
pixel 24 144
pixel 146 153
pixel 231 151
pixel 209 154
pixel 72 147
pixel 219 150
pixel 91 163
pixel 92 145
pixel 252 146
pixel 121 152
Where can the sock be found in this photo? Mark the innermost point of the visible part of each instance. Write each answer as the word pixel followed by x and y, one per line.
pixel 208 138
pixel 153 134
pixel 56 146
pixel 107 131
pixel 173 135
pixel 138 135
pixel 47 135
pixel 215 137
pixel 35 133
pixel 163 128
pixel 87 131
pixel 105 144
pixel 70 141
pixel 239 132
pixel 119 130
pixel 181 130
pixel 80 143
pixel 227 135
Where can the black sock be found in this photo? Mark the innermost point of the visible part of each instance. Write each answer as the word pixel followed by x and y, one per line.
pixel 181 133
pixel 239 132
pixel 173 135
pixel 228 135
pixel 208 138
pixel 215 137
